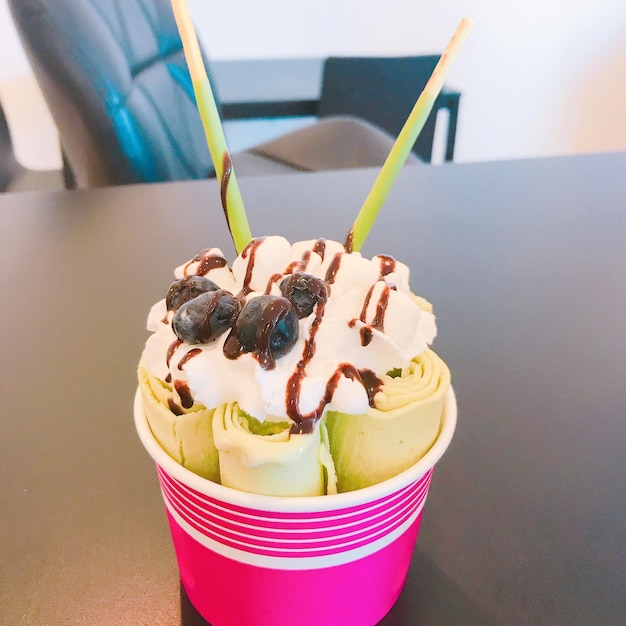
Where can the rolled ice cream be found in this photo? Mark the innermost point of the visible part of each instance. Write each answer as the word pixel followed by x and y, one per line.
pixel 297 370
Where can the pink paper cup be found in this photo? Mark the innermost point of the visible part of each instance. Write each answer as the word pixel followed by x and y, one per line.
pixel 255 560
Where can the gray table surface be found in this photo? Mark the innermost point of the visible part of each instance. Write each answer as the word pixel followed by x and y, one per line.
pixel 525 263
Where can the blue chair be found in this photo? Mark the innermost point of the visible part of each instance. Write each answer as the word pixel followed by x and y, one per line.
pixel 115 80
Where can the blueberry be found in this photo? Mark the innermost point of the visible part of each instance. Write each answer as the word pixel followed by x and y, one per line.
pixel 267 326
pixel 304 291
pixel 205 317
pixel 186 289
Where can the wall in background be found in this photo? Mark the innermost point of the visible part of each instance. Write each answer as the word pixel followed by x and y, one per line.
pixel 538 78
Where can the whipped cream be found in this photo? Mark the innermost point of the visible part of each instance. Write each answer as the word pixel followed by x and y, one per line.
pixel 370 324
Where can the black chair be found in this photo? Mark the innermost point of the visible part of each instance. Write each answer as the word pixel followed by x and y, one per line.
pixel 115 80
pixel 16 177
pixel 383 91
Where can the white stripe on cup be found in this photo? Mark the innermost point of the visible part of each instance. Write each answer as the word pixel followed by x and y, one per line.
pixel 249 535
pixel 290 563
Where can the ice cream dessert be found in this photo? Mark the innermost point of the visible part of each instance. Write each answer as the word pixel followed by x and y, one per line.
pixel 301 370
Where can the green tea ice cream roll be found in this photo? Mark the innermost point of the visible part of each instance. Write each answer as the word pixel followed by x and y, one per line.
pixel 398 431
pixel 183 428
pixel 265 458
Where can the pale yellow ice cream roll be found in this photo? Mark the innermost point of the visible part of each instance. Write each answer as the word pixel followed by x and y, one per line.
pixel 388 439
pixel 265 458
pixel 186 434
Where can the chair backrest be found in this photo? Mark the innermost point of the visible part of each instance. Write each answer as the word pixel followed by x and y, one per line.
pixel 381 90
pixel 116 82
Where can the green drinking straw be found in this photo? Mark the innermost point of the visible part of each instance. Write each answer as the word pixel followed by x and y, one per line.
pixel 405 141
pixel 232 202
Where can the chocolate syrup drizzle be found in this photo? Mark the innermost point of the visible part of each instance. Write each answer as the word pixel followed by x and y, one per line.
pixel 320 247
pixel 249 251
pixel 174 408
pixel 206 262
pixel 182 388
pixel 305 423
pixel 273 279
pixel 378 323
pixel 168 357
pixel 188 356
pixel 227 170
pixel 299 266
pixel 387 265
pixel 349 242
pixel 333 268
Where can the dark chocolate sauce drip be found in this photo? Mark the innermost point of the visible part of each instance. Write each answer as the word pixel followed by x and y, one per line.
pixel 168 357
pixel 348 243
pixel 387 265
pixel 378 323
pixel 170 351
pixel 299 266
pixel 309 345
pixel 206 262
pixel 366 333
pixel 273 279
pixel 182 388
pixel 294 266
pixel 227 169
pixel 209 263
pixel 320 247
pixel 366 303
pixel 174 408
pixel 305 424
pixel 249 251
pixel 333 268
pixel 381 307
pixel 188 356
pixel 295 381
pixel 372 384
